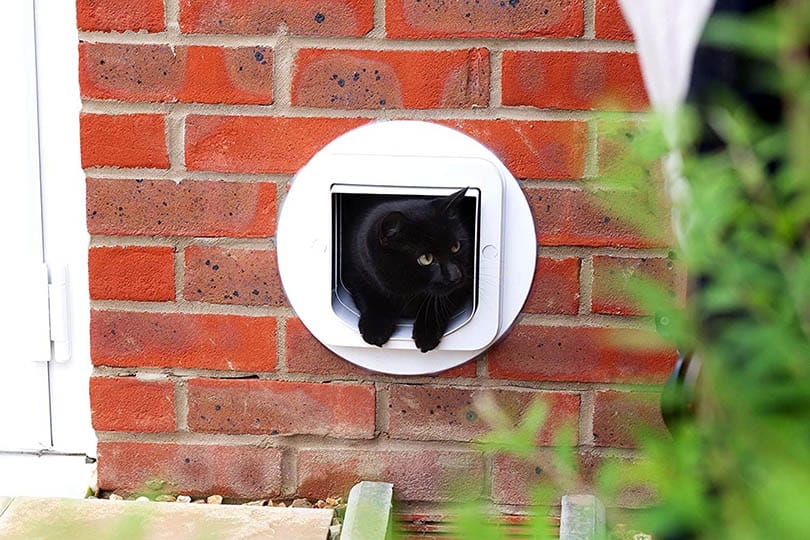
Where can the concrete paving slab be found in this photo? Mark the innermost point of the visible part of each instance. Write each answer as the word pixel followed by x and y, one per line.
pixel 33 518
pixel 4 502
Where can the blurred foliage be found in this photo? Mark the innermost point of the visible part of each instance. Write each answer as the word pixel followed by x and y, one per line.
pixel 740 467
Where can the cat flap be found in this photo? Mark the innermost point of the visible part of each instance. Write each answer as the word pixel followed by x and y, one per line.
pixel 404 159
pixel 476 312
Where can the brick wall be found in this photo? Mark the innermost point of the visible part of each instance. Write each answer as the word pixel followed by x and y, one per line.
pixel 196 114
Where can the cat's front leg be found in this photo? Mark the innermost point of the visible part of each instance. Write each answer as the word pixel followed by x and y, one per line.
pixel 430 324
pixel 378 315
pixel 376 327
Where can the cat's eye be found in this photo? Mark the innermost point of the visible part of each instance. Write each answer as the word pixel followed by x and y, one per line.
pixel 425 259
pixel 455 248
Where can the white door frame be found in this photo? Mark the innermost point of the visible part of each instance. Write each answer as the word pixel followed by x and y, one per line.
pixel 65 219
pixel 24 326
pixel 54 464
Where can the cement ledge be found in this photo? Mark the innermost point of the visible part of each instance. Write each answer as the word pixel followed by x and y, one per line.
pixel 38 518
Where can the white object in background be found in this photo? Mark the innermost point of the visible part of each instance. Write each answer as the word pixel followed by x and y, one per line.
pixel 24 332
pixel 403 156
pixel 667 33
pixel 45 428
pixel 64 222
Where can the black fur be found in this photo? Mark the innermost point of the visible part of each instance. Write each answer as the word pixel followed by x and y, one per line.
pixel 382 244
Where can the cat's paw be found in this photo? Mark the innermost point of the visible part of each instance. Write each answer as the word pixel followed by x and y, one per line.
pixel 426 339
pixel 376 330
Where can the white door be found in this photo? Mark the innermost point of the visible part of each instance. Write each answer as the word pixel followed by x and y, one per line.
pixel 44 303
pixel 24 396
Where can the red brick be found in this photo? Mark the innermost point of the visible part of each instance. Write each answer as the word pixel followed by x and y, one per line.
pixel 417 475
pixel 281 408
pixel 515 479
pixel 565 217
pixel 581 354
pixel 228 75
pixel 120 15
pixel 302 17
pixel 610 23
pixel 573 80
pixel 305 354
pixel 430 413
pixel 613 281
pixel 467 369
pixel 130 404
pixel 555 288
pixel 189 469
pixel 619 417
pixel 532 149
pixel 132 273
pixel 631 492
pixel 130 72
pixel 357 79
pixel 224 342
pixel 232 276
pixel 124 140
pixel 259 144
pixel 507 19
pixel 188 208
pixel 617 150
pixel 169 74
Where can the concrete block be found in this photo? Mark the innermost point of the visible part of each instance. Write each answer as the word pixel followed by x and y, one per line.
pixel 53 519
pixel 369 512
pixel 583 518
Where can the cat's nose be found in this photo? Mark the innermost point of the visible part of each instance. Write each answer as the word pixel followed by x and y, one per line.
pixel 453 274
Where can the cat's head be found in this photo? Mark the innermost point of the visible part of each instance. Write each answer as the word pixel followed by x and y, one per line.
pixel 430 242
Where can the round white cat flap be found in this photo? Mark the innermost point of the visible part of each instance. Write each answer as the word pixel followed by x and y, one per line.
pixel 406 247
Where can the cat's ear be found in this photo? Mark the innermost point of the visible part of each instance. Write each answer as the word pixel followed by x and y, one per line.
pixel 391 227
pixel 450 204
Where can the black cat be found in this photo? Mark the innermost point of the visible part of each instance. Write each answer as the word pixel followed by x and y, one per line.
pixel 408 258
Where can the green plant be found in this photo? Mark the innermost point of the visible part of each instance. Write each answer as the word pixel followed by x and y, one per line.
pixel 741 467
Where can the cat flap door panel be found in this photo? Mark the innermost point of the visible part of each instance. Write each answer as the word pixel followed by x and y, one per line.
pixel 472 326
pixel 358 175
pixel 405 159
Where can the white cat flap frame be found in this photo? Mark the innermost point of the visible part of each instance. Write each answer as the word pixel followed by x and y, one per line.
pixel 406 158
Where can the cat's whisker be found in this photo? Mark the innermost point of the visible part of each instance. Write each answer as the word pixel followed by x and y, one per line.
pixel 407 302
pixel 445 305
pixel 442 305
pixel 419 309
pixel 422 306
pixel 434 308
